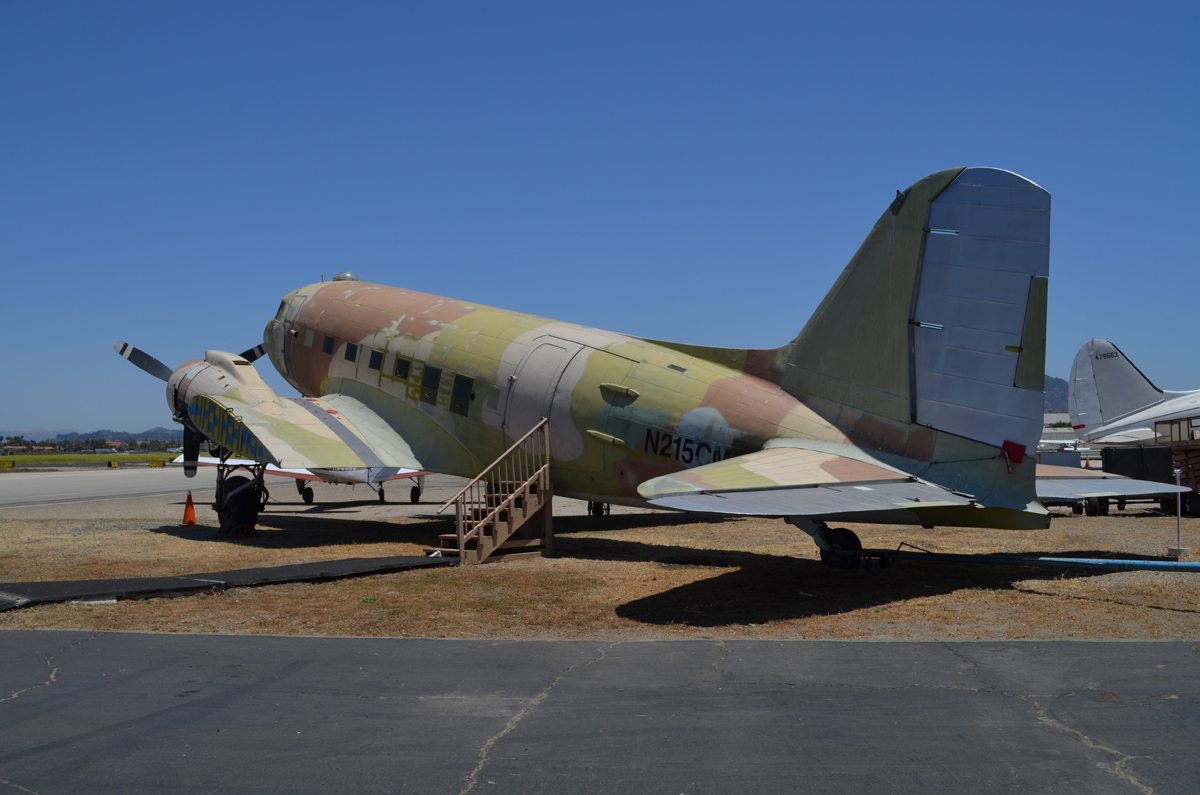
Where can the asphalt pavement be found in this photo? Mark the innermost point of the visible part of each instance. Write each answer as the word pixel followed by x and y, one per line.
pixel 33 489
pixel 108 712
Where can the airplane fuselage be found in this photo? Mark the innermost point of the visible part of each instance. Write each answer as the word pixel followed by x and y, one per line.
pixel 461 382
pixel 1177 405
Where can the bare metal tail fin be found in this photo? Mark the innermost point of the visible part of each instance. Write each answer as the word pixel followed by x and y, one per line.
pixel 939 320
pixel 1106 386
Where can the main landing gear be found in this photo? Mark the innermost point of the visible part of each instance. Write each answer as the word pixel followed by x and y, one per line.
pixel 415 494
pixel 305 491
pixel 239 498
pixel 832 541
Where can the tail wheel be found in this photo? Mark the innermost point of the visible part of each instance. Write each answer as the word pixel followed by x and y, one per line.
pixel 841 539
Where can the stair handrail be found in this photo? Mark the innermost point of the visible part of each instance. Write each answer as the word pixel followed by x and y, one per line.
pixel 495 463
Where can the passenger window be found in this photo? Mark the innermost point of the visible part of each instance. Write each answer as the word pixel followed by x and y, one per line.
pixel 376 360
pixel 429 385
pixel 401 368
pixel 328 346
pixel 460 398
pixel 351 352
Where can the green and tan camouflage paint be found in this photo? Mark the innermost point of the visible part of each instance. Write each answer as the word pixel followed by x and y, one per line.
pixel 626 410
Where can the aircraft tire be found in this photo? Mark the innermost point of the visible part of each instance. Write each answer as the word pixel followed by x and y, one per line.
pixel 1077 508
pixel 240 514
pixel 841 538
pixel 307 495
pixel 381 497
pixel 1091 506
pixel 415 495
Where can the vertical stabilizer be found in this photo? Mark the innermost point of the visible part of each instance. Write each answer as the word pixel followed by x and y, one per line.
pixel 939 320
pixel 1105 386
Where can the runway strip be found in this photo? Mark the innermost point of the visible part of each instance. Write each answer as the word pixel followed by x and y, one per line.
pixel 30 489
pixel 105 712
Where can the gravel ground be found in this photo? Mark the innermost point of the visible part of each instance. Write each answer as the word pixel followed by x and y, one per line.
pixel 635 574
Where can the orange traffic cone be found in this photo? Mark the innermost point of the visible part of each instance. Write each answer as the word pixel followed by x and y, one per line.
pixel 189 512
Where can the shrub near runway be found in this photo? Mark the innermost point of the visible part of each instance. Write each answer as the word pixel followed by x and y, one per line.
pixel 86 459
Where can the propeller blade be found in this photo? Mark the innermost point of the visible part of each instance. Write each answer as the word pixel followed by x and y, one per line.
pixel 254 353
pixel 143 360
pixel 191 451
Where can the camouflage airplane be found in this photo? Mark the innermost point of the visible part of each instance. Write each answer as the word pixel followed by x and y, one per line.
pixel 910 396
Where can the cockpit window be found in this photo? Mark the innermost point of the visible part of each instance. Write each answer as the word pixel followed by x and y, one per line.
pixel 282 306
pixel 351 352
pixel 376 360
pixel 328 346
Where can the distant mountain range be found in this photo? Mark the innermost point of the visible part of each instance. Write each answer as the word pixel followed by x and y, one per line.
pixel 1056 395
pixel 39 434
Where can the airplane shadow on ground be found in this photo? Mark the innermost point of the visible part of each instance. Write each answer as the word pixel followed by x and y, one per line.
pixel 756 588
pixel 764 588
pixel 287 531
pixel 325 525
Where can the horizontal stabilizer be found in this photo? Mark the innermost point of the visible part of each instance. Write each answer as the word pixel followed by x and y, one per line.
pixel 794 481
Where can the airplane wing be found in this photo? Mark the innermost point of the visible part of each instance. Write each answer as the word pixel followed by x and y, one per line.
pixel 1067 485
pixel 795 481
pixel 329 433
pixel 1127 436
pixel 355 475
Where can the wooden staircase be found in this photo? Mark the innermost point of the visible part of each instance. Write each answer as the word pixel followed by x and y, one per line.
pixel 506 509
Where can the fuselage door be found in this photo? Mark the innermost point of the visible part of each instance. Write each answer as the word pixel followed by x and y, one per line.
pixel 532 390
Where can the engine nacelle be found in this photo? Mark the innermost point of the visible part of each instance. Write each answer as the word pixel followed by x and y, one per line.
pixel 218 374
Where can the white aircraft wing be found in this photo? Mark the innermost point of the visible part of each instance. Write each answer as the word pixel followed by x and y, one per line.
pixel 346 475
pixel 1066 485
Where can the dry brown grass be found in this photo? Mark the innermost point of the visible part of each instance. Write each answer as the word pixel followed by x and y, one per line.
pixel 623 576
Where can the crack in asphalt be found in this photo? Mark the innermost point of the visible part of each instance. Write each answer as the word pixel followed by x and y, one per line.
pixel 51 680
pixel 17 786
pixel 1120 768
pixel 724 656
pixel 974 668
pixel 473 778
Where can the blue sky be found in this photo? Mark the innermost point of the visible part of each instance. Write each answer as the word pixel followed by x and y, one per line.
pixel 692 171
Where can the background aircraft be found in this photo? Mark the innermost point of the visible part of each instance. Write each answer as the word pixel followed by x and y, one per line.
pixel 1110 400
